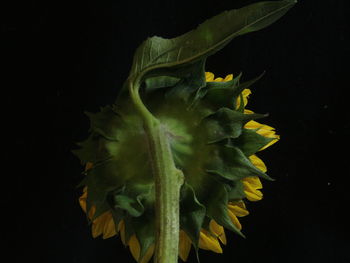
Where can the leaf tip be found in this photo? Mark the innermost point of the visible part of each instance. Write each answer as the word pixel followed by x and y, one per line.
pixel 241 234
pixel 268 178
pixel 271 179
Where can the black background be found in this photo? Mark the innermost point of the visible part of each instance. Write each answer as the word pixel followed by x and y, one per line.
pixel 61 58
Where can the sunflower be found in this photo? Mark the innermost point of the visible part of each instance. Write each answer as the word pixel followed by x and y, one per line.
pixel 212 234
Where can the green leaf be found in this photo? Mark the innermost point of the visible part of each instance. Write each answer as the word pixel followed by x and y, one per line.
pixel 230 163
pixel 192 213
pixel 226 123
pixel 157 53
pixel 250 142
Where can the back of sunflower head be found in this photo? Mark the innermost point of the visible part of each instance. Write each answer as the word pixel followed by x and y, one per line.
pixel 171 164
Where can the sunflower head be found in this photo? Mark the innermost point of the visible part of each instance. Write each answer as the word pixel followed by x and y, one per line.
pixel 179 126
pixel 214 140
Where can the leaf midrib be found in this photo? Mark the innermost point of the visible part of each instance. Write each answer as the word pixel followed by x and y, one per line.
pixel 171 64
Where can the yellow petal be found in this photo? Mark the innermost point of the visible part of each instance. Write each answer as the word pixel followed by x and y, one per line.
pixel 184 245
pixel 248 112
pixel 228 77
pixel 99 224
pixel 252 193
pixel 234 219
pixel 134 247
pixel 253 181
pixel 88 166
pixel 219 79
pixel 264 130
pixel 258 163
pixel 268 133
pixel 209 242
pixel 209 77
pixel 97 227
pixel 245 95
pixel 218 231
pixel 271 142
pixel 82 200
pixel 238 102
pixel 256 125
pixel 121 229
pixel 254 196
pixel 109 228
pixel 148 255
pixel 238 208
pixel 92 211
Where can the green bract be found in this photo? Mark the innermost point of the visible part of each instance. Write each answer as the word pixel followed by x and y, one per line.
pixel 198 122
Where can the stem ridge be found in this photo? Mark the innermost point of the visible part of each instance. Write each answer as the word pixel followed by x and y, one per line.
pixel 168 181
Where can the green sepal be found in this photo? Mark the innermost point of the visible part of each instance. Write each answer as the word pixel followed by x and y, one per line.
pixel 206 223
pixel 241 106
pixel 144 227
pixel 230 163
pixel 100 180
pixel 132 198
pixel 206 226
pixel 226 123
pixel 192 213
pixel 193 80
pixel 250 142
pixel 129 229
pixel 154 83
pixel 235 191
pixel 219 94
pixel 245 85
pixel 87 151
pixel 96 149
pixel 98 202
pixel 101 208
pixel 218 85
pixel 117 215
pixel 96 196
pixel 107 122
pixel 133 206
pixel 217 207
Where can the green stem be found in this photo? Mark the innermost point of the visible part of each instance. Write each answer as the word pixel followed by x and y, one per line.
pixel 168 181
